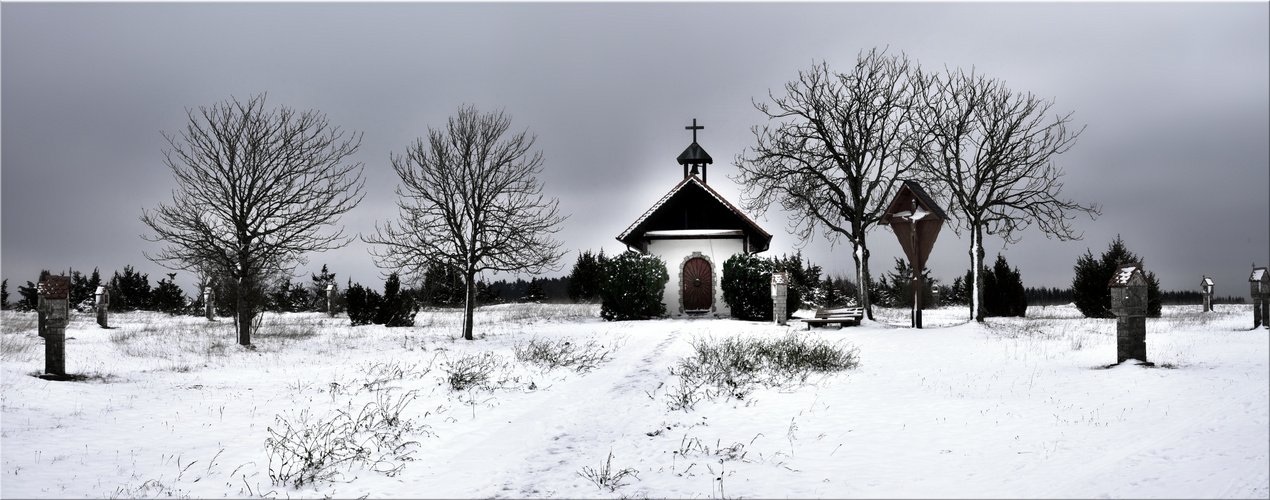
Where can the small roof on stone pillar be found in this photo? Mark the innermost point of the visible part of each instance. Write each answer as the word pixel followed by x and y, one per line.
pixel 1206 282
pixel 1128 275
pixel 1259 274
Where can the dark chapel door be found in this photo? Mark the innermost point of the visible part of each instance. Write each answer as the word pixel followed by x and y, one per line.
pixel 697 285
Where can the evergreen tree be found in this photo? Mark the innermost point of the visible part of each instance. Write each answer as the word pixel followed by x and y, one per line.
pixel 1003 290
pixel 168 297
pixel 362 304
pixel 534 293
pixel 81 296
pixel 278 298
pixel 833 297
pixel 4 294
pixel 584 280
pixel 1089 286
pixel 486 293
pixel 804 281
pixel 896 289
pixel 397 308
pixel 633 286
pixel 129 291
pixel 299 299
pixel 30 293
pixel 443 285
pixel 747 288
pixel 320 282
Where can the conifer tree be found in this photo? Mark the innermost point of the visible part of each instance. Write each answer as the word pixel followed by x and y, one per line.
pixel 584 280
pixel 1089 286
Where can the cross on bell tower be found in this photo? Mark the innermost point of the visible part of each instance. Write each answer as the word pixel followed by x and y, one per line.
pixel 695 156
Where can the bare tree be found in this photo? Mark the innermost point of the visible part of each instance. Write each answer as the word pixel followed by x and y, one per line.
pixel 990 155
pixel 838 155
pixel 469 197
pixel 256 190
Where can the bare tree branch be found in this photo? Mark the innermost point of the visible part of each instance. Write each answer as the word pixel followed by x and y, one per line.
pixel 839 153
pixel 470 197
pixel 255 190
pixel 991 153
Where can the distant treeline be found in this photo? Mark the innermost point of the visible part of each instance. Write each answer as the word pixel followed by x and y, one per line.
pixel 1058 296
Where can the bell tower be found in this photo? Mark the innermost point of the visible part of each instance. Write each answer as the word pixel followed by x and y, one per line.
pixel 695 156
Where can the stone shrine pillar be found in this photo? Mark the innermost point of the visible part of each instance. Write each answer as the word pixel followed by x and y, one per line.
pixel 55 306
pixel 209 303
pixel 1129 303
pixel 1259 288
pixel 330 299
pixel 1206 290
pixel 103 304
pixel 780 291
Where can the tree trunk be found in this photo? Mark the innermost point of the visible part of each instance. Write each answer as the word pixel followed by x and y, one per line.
pixel 976 269
pixel 469 306
pixel 243 314
pixel 861 256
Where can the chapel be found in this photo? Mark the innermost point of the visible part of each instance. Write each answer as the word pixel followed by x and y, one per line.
pixel 694 230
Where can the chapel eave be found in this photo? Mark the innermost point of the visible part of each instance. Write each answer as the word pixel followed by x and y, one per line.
pixel 710 212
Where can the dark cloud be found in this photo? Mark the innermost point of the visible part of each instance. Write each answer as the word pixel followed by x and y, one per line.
pixel 1174 97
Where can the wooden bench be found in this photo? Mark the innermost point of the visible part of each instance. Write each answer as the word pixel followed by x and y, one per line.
pixel 846 316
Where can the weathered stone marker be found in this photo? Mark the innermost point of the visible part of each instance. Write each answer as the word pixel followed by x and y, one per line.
pixel 1129 303
pixel 209 303
pixel 780 291
pixel 1259 287
pixel 55 305
pixel 1206 289
pixel 103 304
pixel 330 299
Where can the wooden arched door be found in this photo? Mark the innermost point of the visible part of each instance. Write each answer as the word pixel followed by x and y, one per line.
pixel 698 292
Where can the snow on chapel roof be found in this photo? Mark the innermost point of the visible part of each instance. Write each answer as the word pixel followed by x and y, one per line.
pixel 1124 274
pixel 1258 274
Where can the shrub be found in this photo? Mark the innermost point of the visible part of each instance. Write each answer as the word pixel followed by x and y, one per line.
pixel 362 304
pixel 747 288
pixel 1089 286
pixel 733 367
pixel 473 371
pixel 562 352
pixel 633 286
pixel 606 477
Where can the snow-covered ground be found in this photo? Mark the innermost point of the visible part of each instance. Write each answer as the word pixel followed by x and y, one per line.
pixel 1013 408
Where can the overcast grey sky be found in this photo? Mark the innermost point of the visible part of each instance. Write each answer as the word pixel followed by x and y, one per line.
pixel 1174 95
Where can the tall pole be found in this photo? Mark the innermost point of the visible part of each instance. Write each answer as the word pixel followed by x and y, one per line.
pixel 917 272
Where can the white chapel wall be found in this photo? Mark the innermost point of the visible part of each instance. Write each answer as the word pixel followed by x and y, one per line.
pixel 675 252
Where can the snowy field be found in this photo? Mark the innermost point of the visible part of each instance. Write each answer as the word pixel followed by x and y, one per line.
pixel 171 407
